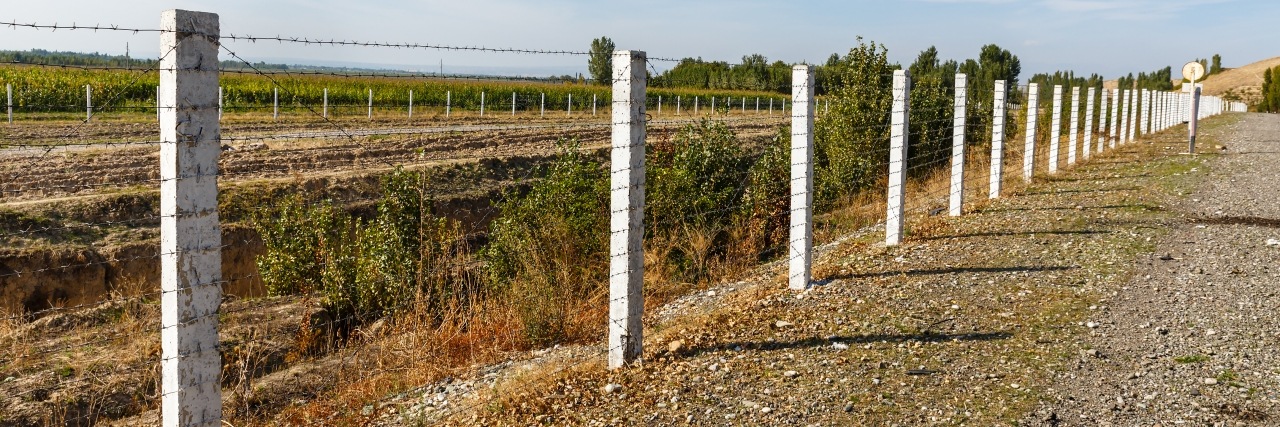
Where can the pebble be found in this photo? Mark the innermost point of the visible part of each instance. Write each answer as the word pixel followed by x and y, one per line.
pixel 790 374
pixel 766 410
pixel 611 388
pixel 839 346
pixel 1092 325
pixel 1210 381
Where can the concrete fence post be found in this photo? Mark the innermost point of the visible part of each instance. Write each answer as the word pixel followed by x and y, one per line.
pixel 696 105
pixel 1073 135
pixel 1088 123
pixel 757 105
pixel 88 103
pixel 1126 116
pixel 1130 125
pixel 744 105
pixel 369 113
pixel 568 111
pixel 190 235
pixel 713 105
pixel 448 103
pixel 275 103
pixel 1115 119
pixel 770 106
pixel 481 103
pixel 157 104
pixel 411 103
pixel 956 204
pixel 324 106
pixel 800 240
pixel 626 201
pixel 679 105
pixel 8 95
pixel 1193 119
pixel 542 105
pixel 1146 112
pixel 1029 148
pixel 513 104
pixel 593 104
pixel 997 139
pixel 898 134
pixel 1055 133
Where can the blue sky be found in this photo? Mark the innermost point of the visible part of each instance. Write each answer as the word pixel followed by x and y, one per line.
pixel 1109 37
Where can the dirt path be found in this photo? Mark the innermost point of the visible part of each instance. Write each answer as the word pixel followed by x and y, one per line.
pixel 1192 337
pixel 1034 309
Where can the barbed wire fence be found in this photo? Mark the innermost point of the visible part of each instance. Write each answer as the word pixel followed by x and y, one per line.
pixel 202 292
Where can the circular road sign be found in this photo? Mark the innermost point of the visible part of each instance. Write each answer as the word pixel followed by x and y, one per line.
pixel 1193 71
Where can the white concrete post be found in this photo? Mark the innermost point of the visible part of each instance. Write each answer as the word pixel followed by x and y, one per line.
pixel 157 104
pixel 1029 148
pixel 627 180
pixel 956 204
pixel 411 103
pixel 324 109
pixel 88 103
pixel 448 102
pixel 481 103
pixel 1115 118
pixel 826 106
pixel 190 235
pixel 1055 133
pixel 899 130
pixel 8 92
pixel 744 105
pixel 757 105
pixel 513 104
pixel 370 111
pixel 997 139
pixel 1126 116
pixel 1130 104
pixel 542 105
pixel 695 105
pixel 1088 123
pixel 1073 135
pixel 678 104
pixel 1146 112
pixel 275 103
pixel 713 105
pixel 770 106
pixel 801 232
pixel 569 109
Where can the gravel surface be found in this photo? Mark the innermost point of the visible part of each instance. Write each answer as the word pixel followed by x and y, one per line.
pixel 1192 337
pixel 1127 291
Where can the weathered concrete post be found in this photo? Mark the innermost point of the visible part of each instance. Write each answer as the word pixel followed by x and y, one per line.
pixel 542 105
pixel 1055 134
pixel 800 240
pixel 956 204
pixel 369 114
pixel 696 105
pixel 568 111
pixel 481 103
pixel 1029 149
pixel 411 103
pixel 898 132
pixel 770 106
pixel 324 106
pixel 1088 123
pixel 1132 126
pixel 997 140
pixel 190 236
pixel 1194 119
pixel 1115 118
pixel 275 103
pixel 1073 136
pixel 88 103
pixel 513 104
pixel 626 201
pixel 448 103
pixel 1146 112
pixel 8 92
pixel 1126 116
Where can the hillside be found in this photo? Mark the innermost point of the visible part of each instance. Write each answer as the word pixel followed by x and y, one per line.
pixel 1244 82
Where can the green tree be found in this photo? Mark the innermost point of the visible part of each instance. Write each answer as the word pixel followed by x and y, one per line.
pixel 600 60
pixel 1216 66
pixel 1268 81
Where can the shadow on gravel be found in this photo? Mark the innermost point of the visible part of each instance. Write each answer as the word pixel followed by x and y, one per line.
pixel 1238 220
pixel 817 342
pixel 1144 207
pixel 1017 233
pixel 958 270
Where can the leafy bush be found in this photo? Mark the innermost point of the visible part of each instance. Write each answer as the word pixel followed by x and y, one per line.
pixel 549 248
pixel 851 140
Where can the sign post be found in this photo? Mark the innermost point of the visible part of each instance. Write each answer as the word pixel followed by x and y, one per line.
pixel 1193 71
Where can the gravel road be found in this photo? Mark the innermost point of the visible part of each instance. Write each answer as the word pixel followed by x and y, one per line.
pixel 1193 337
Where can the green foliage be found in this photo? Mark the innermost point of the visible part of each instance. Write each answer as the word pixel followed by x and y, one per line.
pixel 932 108
pixel 600 61
pixel 363 269
pixel 1215 67
pixel 850 139
pixel 993 63
pixel 549 247
pixel 1270 96
pixel 754 73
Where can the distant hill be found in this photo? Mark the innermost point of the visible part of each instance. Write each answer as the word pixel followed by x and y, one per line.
pixel 1243 83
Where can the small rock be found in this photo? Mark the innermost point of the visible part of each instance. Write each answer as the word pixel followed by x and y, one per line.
pixel 1015 386
pixel 790 374
pixel 1092 325
pixel 714 367
pixel 611 388
pixel 1210 381
pixel 839 346
pixel 783 324
pixel 675 346
pixel 848 407
pixel 766 410
pixel 1273 242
